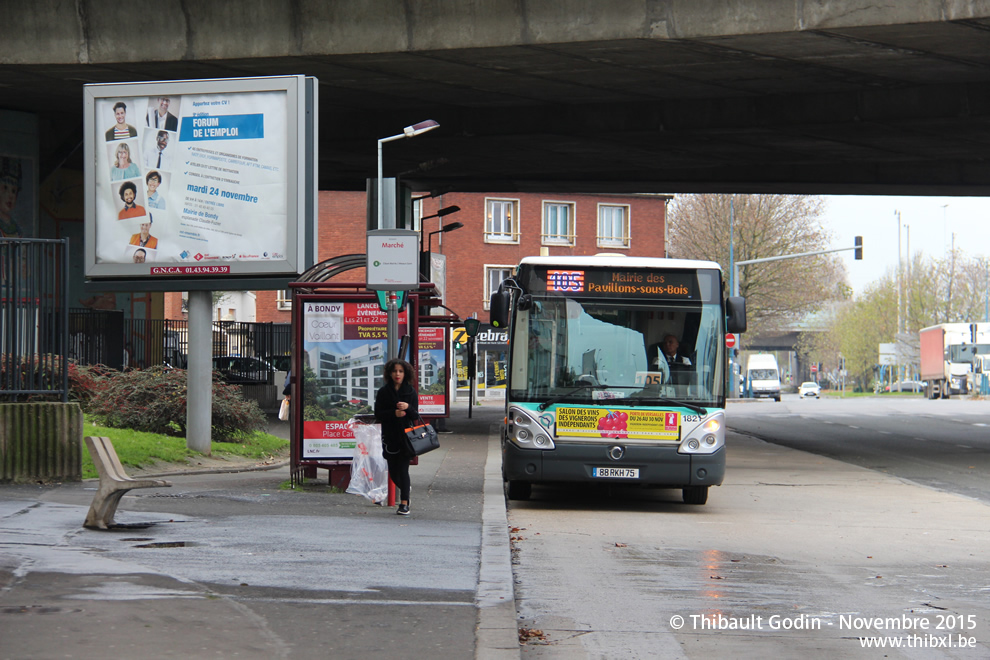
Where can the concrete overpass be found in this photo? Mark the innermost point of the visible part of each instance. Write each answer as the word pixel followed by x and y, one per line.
pixel 845 96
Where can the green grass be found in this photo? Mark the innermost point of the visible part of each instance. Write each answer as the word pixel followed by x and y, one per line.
pixel 138 449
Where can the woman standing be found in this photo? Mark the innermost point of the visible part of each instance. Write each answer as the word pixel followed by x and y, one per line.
pixel 396 407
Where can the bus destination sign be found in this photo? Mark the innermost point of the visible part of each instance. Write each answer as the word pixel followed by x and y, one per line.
pixel 670 285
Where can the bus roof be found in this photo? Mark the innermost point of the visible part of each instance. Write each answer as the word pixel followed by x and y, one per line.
pixel 619 261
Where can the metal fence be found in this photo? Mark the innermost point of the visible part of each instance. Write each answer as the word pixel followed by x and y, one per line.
pixel 106 337
pixel 33 319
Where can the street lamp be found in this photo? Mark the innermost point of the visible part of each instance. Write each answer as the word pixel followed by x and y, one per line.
pixel 392 329
pixel 443 230
pixel 407 132
pixel 439 214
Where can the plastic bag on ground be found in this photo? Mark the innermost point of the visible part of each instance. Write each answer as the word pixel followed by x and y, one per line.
pixel 369 471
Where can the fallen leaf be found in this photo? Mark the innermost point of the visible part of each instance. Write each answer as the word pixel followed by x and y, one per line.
pixel 620 545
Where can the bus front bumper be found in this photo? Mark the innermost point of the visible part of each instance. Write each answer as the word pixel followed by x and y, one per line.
pixel 658 466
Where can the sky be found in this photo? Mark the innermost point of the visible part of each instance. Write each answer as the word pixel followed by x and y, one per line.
pixel 932 221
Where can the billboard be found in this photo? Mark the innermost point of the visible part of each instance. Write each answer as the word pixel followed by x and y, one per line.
pixel 209 179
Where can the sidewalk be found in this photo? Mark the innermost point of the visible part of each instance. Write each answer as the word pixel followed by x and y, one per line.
pixel 235 565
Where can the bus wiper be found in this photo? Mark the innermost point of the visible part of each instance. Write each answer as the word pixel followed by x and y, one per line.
pixel 683 404
pixel 552 400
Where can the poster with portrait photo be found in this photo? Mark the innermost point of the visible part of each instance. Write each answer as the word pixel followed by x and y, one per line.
pixel 143 236
pixel 163 112
pixel 156 188
pixel 17 197
pixel 159 147
pixel 130 201
pixel 119 122
pixel 122 160
pixel 139 255
pixel 230 175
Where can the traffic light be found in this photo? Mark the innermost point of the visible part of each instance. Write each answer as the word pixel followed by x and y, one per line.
pixel 859 248
pixel 472 326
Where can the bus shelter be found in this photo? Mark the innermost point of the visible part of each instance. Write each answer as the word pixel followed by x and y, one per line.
pixel 338 357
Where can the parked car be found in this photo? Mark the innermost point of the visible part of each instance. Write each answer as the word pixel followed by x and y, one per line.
pixel 810 390
pixel 244 370
pixel 906 386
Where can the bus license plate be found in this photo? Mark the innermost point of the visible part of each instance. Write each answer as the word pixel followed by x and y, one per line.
pixel 615 473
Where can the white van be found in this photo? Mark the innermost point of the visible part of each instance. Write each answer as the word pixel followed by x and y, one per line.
pixel 763 376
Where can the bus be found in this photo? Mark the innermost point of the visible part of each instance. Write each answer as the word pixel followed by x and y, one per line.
pixel 592 396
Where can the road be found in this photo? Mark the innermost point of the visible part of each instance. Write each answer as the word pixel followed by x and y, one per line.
pixel 943 444
pixel 792 556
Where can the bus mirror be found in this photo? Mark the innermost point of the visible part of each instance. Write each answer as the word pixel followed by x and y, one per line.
pixel 499 309
pixel 735 314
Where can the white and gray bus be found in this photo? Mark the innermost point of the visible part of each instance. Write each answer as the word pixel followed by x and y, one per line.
pixel 592 396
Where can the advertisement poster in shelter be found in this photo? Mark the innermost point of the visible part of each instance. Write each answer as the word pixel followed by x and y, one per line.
pixel 432 362
pixel 345 347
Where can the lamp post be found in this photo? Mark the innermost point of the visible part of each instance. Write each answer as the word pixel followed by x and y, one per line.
pixel 392 306
pixel 443 230
pixel 407 132
pixel 447 210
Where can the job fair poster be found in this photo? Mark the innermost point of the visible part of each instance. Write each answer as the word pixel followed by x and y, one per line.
pixel 193 183
pixel 345 345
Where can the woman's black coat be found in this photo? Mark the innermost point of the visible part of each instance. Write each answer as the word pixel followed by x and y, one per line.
pixel 394 428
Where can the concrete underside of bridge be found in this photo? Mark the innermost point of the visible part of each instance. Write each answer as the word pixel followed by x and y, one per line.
pixel 801 96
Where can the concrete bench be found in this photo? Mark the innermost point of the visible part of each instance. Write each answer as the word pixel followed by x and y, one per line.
pixel 114 482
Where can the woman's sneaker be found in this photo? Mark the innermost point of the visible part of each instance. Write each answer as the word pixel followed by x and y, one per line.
pixel 403 510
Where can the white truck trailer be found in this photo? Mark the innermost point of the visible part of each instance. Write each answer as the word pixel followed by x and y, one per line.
pixel 949 352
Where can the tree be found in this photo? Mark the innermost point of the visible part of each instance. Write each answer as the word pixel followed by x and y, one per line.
pixel 776 292
pixel 858 328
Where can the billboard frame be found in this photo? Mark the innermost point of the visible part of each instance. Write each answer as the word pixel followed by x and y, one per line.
pixel 300 178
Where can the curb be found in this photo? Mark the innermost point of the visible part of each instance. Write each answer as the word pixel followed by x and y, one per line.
pixel 497 636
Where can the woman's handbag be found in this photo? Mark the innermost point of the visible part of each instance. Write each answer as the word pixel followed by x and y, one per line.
pixel 283 410
pixel 422 438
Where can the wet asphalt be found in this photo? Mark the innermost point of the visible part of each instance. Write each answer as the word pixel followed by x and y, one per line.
pixel 237 565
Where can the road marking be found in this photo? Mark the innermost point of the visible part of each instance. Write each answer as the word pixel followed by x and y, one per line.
pixel 964 446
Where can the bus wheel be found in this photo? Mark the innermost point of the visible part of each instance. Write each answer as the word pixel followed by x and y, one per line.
pixel 520 490
pixel 695 494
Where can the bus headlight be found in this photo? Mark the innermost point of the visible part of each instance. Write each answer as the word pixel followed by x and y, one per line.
pixel 707 437
pixel 526 432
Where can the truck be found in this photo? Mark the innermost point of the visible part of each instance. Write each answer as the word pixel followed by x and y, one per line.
pixel 763 377
pixel 591 398
pixel 949 353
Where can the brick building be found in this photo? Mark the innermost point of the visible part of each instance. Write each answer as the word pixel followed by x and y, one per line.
pixel 498 230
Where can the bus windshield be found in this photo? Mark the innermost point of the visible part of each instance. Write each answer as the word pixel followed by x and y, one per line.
pixel 587 350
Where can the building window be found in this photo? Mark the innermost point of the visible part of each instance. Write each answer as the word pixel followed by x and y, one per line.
pixel 613 226
pixel 501 221
pixel 558 223
pixel 283 299
pixel 493 277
